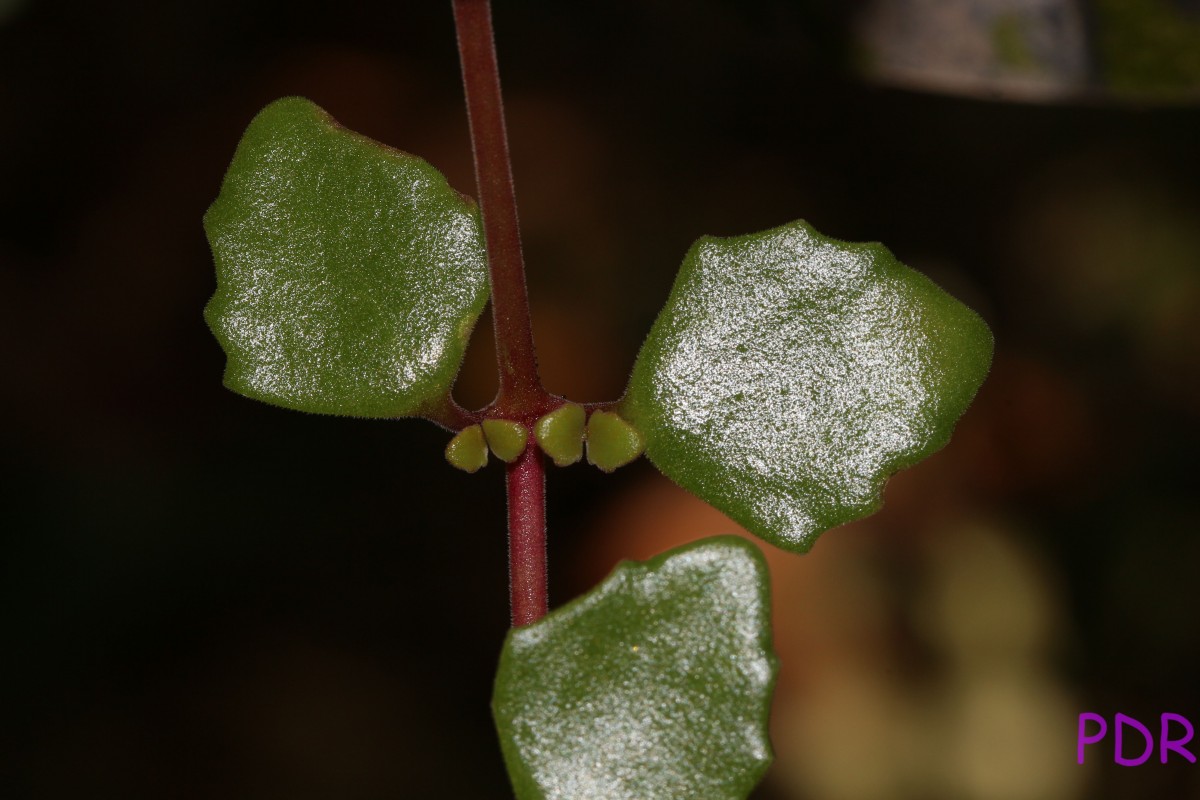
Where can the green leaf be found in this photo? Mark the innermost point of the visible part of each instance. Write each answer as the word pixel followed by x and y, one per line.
pixel 656 684
pixel 789 374
pixel 349 274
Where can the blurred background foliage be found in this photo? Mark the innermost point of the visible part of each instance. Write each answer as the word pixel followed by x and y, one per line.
pixel 202 597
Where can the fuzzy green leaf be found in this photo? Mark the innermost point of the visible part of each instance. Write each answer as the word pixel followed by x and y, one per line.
pixel 349 274
pixel 790 374
pixel 656 684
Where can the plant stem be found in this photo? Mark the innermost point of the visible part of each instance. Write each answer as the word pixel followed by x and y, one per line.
pixel 521 395
pixel 526 484
pixel 520 386
pixel 449 415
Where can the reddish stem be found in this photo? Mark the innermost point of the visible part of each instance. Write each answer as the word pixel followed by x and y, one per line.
pixel 521 395
pixel 526 484
pixel 520 386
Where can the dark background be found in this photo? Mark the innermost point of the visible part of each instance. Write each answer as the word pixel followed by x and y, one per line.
pixel 202 596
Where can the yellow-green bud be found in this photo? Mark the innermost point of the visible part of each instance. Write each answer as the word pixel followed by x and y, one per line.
pixel 611 441
pixel 506 438
pixel 468 451
pixel 560 434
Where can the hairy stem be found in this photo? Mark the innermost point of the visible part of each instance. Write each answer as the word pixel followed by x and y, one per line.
pixel 520 386
pixel 526 484
pixel 521 394
pixel 449 415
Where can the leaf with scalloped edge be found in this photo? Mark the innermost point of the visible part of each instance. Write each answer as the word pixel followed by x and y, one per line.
pixel 349 274
pixel 656 684
pixel 790 374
